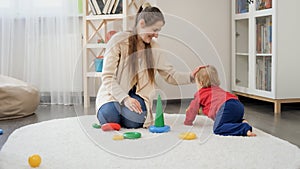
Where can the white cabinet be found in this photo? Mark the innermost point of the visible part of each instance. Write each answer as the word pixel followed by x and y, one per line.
pixel 95 29
pixel 265 59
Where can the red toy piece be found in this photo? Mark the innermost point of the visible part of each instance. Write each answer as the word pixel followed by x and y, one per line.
pixel 110 126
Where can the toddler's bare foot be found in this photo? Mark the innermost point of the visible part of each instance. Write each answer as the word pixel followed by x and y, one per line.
pixel 244 121
pixel 250 134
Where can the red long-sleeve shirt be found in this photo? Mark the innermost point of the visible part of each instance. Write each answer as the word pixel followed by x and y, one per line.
pixel 210 99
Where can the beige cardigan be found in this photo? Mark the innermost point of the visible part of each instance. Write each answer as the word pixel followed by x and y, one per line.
pixel 116 77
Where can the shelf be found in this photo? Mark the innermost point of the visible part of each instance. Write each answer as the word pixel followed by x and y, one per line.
pixel 242 54
pixel 241 16
pixel 96 45
pixel 106 17
pixel 94 74
pixel 252 46
pixel 264 12
pixel 264 54
pixel 95 28
pixel 263 73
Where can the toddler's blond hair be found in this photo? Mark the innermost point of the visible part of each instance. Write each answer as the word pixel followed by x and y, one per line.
pixel 208 76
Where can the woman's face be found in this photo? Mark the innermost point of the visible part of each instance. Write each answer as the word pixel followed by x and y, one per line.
pixel 146 33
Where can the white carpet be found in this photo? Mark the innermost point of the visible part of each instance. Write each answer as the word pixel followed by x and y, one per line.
pixel 73 143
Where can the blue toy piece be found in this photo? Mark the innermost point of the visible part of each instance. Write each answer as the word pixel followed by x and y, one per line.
pixel 155 129
pixel 1 131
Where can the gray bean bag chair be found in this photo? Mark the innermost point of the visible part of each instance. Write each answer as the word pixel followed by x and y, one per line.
pixel 17 98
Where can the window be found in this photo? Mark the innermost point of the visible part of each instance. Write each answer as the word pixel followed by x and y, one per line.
pixel 39 8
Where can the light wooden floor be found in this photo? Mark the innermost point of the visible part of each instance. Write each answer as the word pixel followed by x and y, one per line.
pixel 259 114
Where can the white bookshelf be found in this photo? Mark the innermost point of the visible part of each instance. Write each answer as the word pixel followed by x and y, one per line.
pixel 264 54
pixel 95 27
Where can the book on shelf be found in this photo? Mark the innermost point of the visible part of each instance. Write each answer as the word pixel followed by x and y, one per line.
pixel 106 6
pixel 258 38
pixel 268 73
pixel 257 5
pixel 242 6
pixel 118 7
pixel 111 5
pixel 264 35
pixel 270 39
pixel 259 72
pixel 263 72
pixel 268 4
pixel 92 7
pixel 263 4
pixel 99 5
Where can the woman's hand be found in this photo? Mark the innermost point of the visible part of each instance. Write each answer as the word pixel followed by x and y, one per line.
pixel 133 105
pixel 193 74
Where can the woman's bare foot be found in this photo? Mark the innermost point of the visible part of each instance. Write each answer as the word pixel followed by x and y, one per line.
pixel 250 134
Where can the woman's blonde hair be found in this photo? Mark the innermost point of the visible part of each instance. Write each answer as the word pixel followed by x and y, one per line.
pixel 208 76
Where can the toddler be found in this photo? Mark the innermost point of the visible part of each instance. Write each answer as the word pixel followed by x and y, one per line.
pixel 221 106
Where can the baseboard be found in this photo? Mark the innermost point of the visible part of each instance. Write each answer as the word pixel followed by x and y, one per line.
pixel 45 97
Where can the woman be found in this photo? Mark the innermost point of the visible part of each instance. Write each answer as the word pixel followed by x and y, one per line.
pixel 128 78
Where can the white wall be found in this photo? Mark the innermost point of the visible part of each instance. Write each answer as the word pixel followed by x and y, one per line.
pixel 197 32
pixel 288 52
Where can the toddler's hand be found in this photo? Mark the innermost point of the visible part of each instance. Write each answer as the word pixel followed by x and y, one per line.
pixel 188 123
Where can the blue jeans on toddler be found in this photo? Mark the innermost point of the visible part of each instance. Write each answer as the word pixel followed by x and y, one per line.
pixel 229 119
pixel 114 112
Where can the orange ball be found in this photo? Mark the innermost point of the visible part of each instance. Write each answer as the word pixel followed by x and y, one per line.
pixel 34 160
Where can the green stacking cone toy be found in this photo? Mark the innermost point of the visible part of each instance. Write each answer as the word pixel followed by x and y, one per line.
pixel 159 124
pixel 159 118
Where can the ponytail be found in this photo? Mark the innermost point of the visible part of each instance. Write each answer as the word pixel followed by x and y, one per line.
pixel 150 15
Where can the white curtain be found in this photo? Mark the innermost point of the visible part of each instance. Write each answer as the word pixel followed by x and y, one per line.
pixel 41 44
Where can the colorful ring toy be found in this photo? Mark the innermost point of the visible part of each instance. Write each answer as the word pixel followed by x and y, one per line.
pixel 110 126
pixel 155 129
pixel 132 135
pixel 187 136
pixel 96 126
pixel 118 137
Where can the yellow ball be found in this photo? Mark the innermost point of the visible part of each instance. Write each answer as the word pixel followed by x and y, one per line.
pixel 34 160
pixel 187 136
